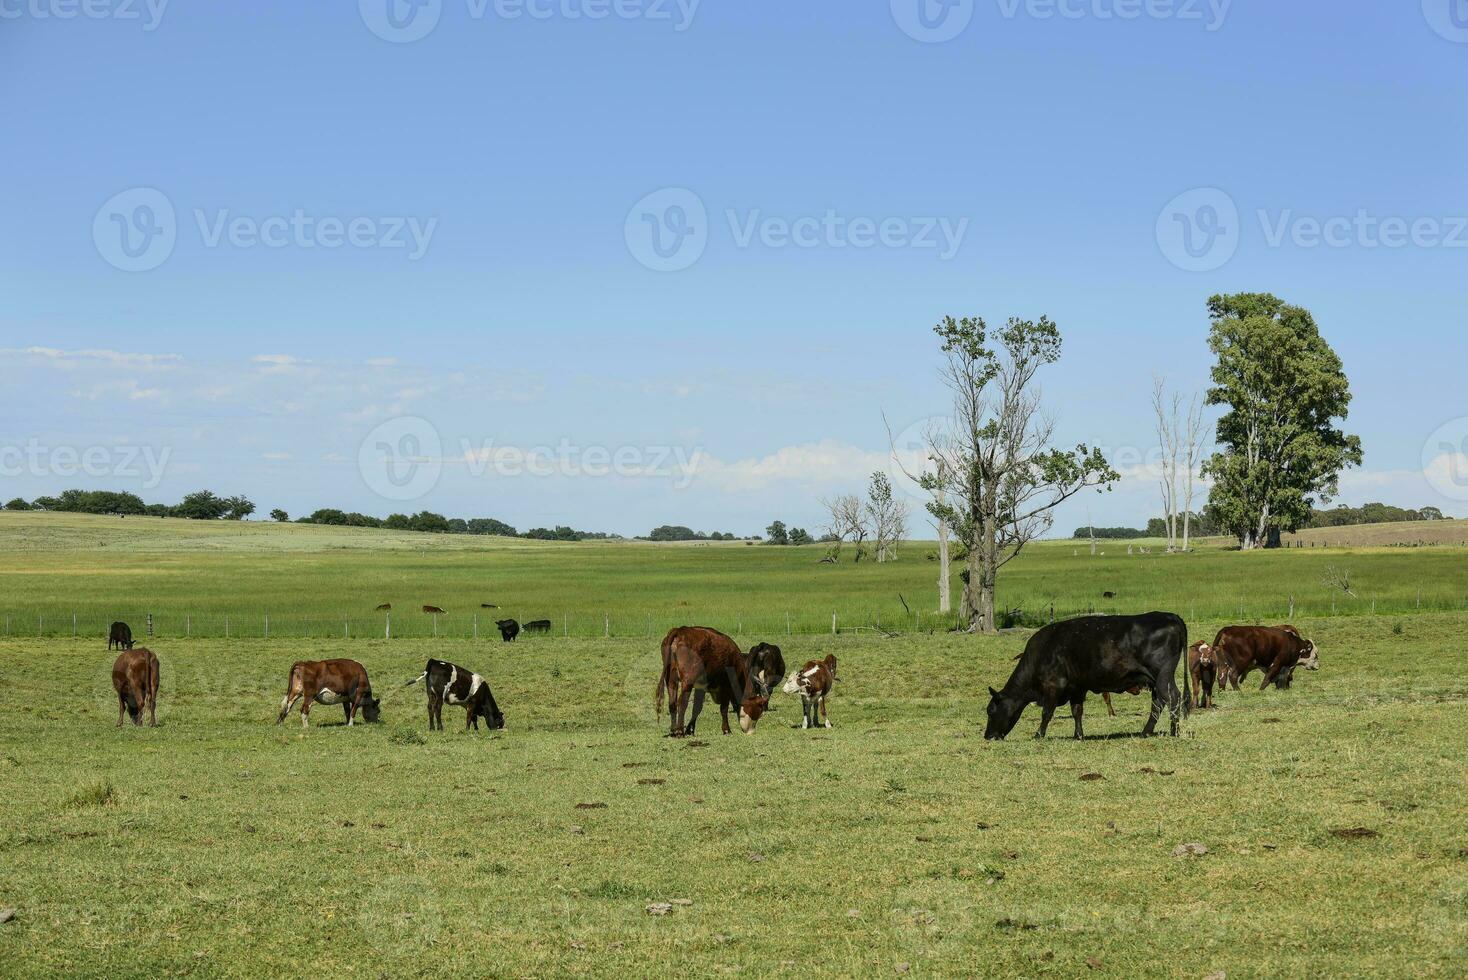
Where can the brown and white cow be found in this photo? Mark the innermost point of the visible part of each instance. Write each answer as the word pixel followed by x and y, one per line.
pixel 135 678
pixel 813 683
pixel 342 682
pixel 698 661
pixel 451 684
pixel 1276 650
pixel 1203 668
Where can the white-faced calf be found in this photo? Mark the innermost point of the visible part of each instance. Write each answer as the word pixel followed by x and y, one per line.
pixel 813 683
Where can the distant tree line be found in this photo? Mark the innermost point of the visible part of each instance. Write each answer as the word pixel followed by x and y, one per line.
pixel 777 534
pixel 1208 524
pixel 431 523
pixel 677 532
pixel 203 505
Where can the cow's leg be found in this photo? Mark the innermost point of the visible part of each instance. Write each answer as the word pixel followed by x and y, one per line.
pixel 1174 704
pixel 805 712
pixel 121 707
pixel 1155 712
pixel 285 706
pixel 152 707
pixel 1274 669
pixel 699 694
pixel 724 715
pixel 825 718
pixel 1046 711
pixel 1109 709
pixel 1076 707
pixel 680 728
pixel 308 698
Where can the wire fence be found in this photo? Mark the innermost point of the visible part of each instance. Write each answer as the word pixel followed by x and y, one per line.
pixel 257 626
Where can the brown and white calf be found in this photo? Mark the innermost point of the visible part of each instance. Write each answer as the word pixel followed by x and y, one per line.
pixel 135 677
pixel 1203 668
pixel 813 683
pixel 342 682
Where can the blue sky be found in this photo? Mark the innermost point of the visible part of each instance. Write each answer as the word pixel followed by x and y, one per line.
pixel 457 229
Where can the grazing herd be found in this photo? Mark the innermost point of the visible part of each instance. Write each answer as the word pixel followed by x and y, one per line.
pixel 1061 664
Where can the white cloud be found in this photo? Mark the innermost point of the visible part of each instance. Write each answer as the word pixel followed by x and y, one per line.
pixel 828 465
pixel 70 358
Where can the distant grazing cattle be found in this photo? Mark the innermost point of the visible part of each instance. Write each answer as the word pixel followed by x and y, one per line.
pixel 1203 669
pixel 1108 595
pixel 432 609
pixel 488 605
pixel 813 683
pixel 509 629
pixel 120 634
pixel 699 661
pixel 1064 661
pixel 384 607
pixel 451 684
pixel 1276 650
pixel 537 626
pixel 135 678
pixel 342 682
pixel 766 666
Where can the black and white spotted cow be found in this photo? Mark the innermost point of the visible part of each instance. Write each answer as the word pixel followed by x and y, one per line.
pixel 451 684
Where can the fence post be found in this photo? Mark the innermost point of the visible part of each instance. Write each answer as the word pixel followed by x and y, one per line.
pixel 346 633
pixel 833 624
pixel 606 626
pixel 566 624
pixel 267 627
pixel 226 627
pixel 787 622
pixel 73 624
pixel 476 626
pixel 1292 608
pixel 387 629
pixel 435 626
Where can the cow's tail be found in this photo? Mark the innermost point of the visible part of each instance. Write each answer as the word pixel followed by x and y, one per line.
pixel 415 680
pixel 1187 685
pixel 152 691
pixel 665 679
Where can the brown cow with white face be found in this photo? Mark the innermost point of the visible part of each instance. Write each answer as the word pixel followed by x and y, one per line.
pixel 1276 650
pixel 135 678
pixel 698 661
pixel 342 682
pixel 1203 668
pixel 813 683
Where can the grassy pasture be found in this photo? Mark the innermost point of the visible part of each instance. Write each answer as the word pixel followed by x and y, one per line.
pixel 220 844
pixel 202 579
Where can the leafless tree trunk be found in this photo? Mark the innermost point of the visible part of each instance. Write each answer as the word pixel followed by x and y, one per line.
pixel 847 520
pixel 945 601
pixel 1194 456
pixel 1169 436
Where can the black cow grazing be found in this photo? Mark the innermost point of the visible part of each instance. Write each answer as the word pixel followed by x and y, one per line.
pixel 766 667
pixel 451 684
pixel 1066 660
pixel 122 635
pixel 509 629
pixel 537 626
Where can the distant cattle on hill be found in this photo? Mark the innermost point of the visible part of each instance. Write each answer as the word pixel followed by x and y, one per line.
pixel 384 607
pixel 509 629
pixel 120 634
pixel 537 626
pixel 432 609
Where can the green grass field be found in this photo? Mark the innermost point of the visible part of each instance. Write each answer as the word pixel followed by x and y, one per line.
pixel 897 842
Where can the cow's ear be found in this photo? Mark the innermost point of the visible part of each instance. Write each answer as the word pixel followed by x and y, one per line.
pixel 993 693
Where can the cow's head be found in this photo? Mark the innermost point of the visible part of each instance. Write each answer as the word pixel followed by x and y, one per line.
pixel 750 711
pixel 1310 659
pixel 1205 655
pixel 371 710
pixel 792 684
pixel 1004 712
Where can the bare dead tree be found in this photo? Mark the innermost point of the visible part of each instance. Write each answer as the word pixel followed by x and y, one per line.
pixel 1193 458
pixel 1168 410
pixel 886 515
pixel 1002 477
pixel 1338 578
pixel 934 436
pixel 846 519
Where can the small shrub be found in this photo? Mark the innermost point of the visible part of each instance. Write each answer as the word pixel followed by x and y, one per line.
pixel 406 735
pixel 1398 629
pixel 100 792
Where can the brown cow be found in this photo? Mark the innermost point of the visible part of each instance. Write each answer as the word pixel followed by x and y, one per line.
pixel 135 677
pixel 342 682
pixel 1276 650
pixel 813 683
pixel 432 609
pixel 699 661
pixel 1203 668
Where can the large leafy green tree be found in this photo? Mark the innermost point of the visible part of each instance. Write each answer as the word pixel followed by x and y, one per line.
pixel 1284 388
